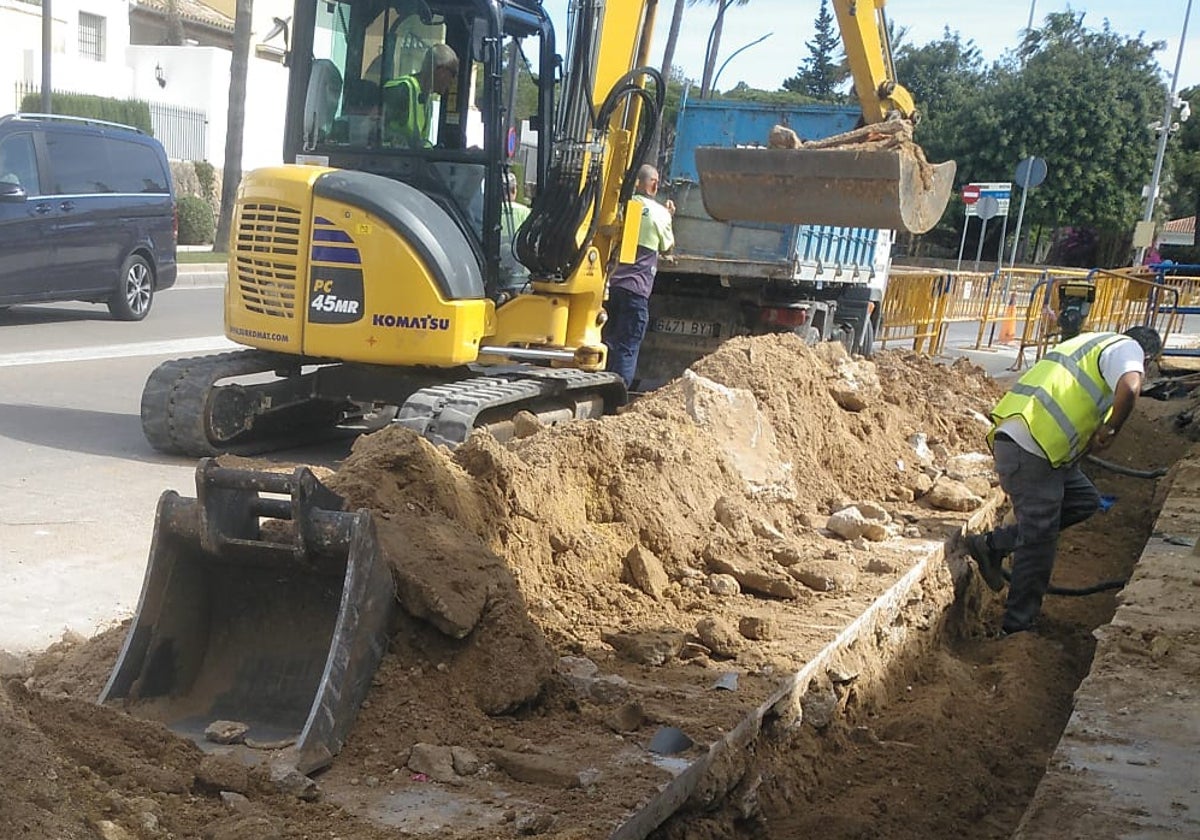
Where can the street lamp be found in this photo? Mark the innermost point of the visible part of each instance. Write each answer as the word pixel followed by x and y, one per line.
pixel 1173 102
pixel 743 48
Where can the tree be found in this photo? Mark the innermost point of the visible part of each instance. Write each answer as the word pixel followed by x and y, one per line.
pixel 1098 149
pixel 714 44
pixel 174 23
pixel 1181 195
pixel 821 74
pixel 239 65
pixel 945 79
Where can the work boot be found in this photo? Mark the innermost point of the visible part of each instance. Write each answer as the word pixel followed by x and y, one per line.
pixel 988 561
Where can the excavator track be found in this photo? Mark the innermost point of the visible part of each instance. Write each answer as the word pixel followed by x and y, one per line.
pixel 447 414
pixel 185 412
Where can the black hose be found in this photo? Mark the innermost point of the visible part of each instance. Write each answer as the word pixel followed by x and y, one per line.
pixel 546 243
pixel 1103 586
pixel 1129 471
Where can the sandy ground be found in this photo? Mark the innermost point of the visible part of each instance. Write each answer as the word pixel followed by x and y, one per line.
pixel 565 595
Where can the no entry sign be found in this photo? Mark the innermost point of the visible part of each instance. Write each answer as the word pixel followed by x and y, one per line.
pixel 1000 190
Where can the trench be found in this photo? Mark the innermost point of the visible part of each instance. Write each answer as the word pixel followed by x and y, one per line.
pixel 951 735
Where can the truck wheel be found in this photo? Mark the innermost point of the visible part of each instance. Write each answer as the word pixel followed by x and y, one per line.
pixel 135 290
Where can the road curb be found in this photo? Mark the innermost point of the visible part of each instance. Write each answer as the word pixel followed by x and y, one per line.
pixel 200 279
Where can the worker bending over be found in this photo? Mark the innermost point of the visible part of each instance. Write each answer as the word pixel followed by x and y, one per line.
pixel 1075 400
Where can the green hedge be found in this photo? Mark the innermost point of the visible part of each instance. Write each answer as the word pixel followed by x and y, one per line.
pixel 196 226
pixel 134 112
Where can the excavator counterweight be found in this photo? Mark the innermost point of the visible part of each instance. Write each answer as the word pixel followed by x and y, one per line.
pixel 260 610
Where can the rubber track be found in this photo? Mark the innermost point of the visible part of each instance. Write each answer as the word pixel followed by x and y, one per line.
pixel 446 414
pixel 175 397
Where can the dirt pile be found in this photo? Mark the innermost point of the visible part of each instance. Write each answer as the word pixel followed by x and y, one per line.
pixel 563 591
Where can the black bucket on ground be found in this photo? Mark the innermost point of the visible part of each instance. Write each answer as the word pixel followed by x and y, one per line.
pixel 268 611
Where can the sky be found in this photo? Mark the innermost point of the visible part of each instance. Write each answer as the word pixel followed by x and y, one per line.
pixel 994 25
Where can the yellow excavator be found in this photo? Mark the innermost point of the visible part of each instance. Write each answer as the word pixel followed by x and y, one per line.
pixel 377 278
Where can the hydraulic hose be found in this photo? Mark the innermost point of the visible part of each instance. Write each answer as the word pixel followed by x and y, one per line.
pixel 553 240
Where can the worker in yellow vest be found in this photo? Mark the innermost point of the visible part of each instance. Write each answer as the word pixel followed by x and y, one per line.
pixel 1072 402
pixel 407 104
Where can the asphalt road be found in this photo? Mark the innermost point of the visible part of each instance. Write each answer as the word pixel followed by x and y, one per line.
pixel 78 482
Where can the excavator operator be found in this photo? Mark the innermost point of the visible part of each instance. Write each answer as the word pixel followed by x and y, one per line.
pixel 407 109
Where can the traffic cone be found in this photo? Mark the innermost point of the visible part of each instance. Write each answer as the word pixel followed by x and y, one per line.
pixel 1008 326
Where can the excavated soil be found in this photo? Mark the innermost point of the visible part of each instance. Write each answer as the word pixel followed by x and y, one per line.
pixel 565 594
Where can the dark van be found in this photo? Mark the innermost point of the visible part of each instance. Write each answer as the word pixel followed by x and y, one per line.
pixel 87 212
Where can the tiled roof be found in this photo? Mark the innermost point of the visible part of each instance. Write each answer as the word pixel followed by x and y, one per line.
pixel 192 10
pixel 1187 225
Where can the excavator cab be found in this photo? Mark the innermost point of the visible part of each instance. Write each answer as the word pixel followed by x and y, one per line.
pixel 874 176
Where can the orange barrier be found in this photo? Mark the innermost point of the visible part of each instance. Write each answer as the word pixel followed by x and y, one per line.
pixel 1122 298
pixel 914 309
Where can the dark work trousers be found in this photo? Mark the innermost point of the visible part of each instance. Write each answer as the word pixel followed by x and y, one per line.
pixel 628 315
pixel 1045 500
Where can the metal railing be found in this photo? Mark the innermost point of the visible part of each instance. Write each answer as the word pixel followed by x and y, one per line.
pixel 183 131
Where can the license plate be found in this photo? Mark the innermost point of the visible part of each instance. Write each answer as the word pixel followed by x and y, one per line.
pixel 685 326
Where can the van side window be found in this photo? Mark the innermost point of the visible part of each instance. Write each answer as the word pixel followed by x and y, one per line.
pixel 78 164
pixel 135 167
pixel 18 164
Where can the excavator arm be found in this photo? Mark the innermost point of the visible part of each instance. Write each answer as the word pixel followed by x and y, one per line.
pixel 869 54
pixel 874 176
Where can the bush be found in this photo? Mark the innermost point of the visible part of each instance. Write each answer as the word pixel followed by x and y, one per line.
pixel 196 226
pixel 206 174
pixel 134 112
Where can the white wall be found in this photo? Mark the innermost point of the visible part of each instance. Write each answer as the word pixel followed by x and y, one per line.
pixel 197 77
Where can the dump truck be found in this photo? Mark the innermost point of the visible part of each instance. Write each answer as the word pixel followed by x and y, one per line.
pixel 728 278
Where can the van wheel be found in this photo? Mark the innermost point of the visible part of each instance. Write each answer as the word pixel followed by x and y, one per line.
pixel 131 301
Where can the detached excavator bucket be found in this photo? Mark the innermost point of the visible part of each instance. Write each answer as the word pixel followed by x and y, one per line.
pixel 869 188
pixel 266 611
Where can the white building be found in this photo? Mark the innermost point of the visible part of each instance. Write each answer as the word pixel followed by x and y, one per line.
pixel 116 48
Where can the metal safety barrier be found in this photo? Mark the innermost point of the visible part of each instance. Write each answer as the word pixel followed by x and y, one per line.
pixel 913 309
pixel 1022 307
pixel 1115 300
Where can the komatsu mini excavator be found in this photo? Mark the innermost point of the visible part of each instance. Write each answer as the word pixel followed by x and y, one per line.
pixel 370 272
pixel 373 282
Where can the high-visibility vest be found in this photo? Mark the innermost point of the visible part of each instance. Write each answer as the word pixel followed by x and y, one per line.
pixel 1063 399
pixel 411 126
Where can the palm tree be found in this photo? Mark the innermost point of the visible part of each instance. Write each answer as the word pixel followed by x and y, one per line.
pixel 236 124
pixel 714 44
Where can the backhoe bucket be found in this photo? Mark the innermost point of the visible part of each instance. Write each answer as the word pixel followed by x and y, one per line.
pixel 887 189
pixel 266 611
